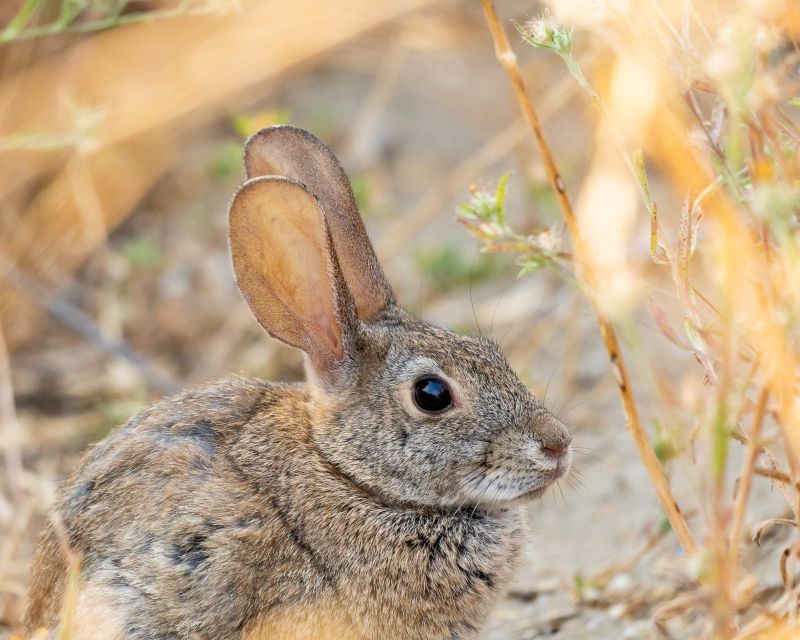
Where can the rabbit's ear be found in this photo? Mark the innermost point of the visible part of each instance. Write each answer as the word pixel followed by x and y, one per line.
pixel 287 271
pixel 295 153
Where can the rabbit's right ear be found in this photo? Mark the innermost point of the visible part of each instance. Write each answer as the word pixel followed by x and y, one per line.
pixel 287 271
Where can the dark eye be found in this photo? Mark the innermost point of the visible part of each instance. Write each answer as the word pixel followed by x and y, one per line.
pixel 432 395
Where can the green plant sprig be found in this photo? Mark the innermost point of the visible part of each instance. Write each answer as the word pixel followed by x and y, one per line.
pixel 111 15
pixel 485 218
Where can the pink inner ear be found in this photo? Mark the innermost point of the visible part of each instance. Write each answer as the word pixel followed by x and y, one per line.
pixel 283 267
pixel 302 275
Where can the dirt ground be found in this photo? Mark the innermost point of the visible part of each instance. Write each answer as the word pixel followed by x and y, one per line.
pixel 407 115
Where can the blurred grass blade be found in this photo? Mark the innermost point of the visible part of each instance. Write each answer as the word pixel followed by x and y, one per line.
pixel 21 19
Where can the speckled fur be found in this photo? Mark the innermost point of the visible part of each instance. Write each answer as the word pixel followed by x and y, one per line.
pixel 247 510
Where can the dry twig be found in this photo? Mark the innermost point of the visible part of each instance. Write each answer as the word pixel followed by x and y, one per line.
pixel 753 451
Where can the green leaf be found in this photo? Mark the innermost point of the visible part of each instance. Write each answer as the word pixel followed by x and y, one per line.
pixel 488 207
pixel 641 174
pixel 531 263
pixel 465 210
pixel 720 439
pixel 795 102
pixel 664 445
pixel 71 9
pixel 500 197
pixel 142 251
pixel 20 21
pixel 695 338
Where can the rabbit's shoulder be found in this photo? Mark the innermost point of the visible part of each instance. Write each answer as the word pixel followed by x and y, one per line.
pixel 167 457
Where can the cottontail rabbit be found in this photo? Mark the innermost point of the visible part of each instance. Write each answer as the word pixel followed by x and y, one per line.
pixel 380 500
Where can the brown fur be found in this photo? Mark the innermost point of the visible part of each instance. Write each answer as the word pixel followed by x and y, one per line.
pixel 247 510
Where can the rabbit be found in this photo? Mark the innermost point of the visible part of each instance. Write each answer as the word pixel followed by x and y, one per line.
pixel 382 499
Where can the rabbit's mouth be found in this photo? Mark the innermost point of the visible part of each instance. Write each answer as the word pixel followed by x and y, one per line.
pixel 537 492
pixel 498 489
pixel 532 494
pixel 546 477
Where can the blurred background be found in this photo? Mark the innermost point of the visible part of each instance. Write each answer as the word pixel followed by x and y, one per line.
pixel 121 131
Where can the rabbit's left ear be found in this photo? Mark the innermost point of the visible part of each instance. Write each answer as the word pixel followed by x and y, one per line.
pixel 287 271
pixel 296 154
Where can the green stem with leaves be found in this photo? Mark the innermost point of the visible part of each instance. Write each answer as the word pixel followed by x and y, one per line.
pixel 70 11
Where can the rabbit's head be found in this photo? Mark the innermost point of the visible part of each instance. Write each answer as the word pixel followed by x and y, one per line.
pixel 412 413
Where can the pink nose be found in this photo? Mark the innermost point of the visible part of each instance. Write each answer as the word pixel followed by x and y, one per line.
pixel 555 440
pixel 552 452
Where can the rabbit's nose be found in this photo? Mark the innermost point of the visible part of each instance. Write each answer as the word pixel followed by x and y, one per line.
pixel 554 439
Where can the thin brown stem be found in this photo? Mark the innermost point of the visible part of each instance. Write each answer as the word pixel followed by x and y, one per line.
pixel 746 480
pixel 774 474
pixel 509 61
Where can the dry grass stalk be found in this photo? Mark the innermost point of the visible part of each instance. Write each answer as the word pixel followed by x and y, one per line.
pixel 746 479
pixel 509 61
pixel 727 158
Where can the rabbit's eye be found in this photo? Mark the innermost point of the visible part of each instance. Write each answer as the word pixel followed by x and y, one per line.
pixel 432 395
